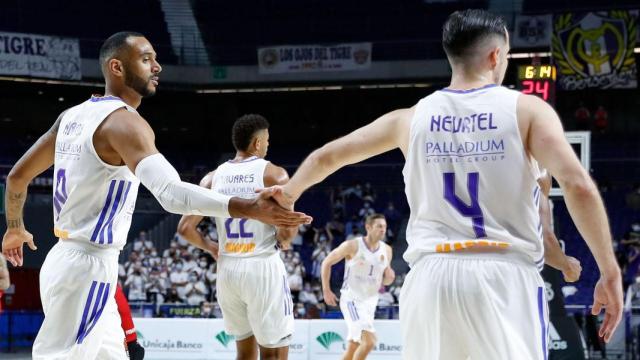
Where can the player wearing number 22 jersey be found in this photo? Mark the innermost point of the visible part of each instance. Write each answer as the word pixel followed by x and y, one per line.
pixel 252 287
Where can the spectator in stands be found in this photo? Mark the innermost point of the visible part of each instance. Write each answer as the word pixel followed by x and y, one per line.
pixel 189 263
pixel 368 193
pixel 339 209
pixel 195 290
pixel 353 226
pixel 206 310
pixel 179 277
pixel 172 250
pixel 366 210
pixel 582 117
pixel 393 217
pixel 355 190
pixel 323 248
pixel 308 296
pixel 147 243
pixel 136 284
pixel 155 287
pixel 295 280
pixel 300 311
pixel 210 277
pixel 172 295
pixel 335 226
pixel 601 119
pixel 298 239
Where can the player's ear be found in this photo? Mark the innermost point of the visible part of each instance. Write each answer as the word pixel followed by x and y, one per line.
pixel 115 67
pixel 494 57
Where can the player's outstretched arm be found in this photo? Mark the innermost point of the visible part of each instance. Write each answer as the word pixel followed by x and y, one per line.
pixel 546 141
pixel 36 160
pixel 347 249
pixel 188 225
pixel 388 132
pixel 131 137
pixel 553 254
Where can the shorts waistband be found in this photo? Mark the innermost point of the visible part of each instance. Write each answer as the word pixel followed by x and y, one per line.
pixel 258 257
pixel 511 257
pixel 89 249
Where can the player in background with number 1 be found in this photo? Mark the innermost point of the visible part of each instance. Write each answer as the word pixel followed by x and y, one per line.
pixel 253 292
pixel 367 268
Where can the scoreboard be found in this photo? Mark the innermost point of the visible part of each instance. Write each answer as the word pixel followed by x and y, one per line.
pixel 539 80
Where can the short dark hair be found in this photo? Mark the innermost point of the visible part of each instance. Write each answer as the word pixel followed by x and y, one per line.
pixel 464 29
pixel 245 128
pixel 114 44
pixel 373 217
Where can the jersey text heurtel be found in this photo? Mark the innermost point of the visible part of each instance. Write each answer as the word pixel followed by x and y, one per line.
pixel 468 124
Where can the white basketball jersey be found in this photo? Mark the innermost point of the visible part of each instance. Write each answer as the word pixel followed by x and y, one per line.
pixel 92 200
pixel 468 179
pixel 363 272
pixel 243 237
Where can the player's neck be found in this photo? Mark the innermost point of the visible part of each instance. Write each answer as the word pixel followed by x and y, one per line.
pixel 243 155
pixel 461 80
pixel 129 96
pixel 372 244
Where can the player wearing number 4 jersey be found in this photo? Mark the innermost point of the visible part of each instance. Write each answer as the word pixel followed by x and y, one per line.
pixel 367 268
pixel 253 292
pixel 102 149
pixel 474 233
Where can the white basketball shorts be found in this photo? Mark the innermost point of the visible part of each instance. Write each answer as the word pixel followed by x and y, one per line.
pixel 466 306
pixel 255 299
pixel 358 314
pixel 77 288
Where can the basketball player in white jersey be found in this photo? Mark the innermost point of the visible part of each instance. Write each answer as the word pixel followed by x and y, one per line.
pixel 474 234
pixel 367 268
pixel 253 292
pixel 101 150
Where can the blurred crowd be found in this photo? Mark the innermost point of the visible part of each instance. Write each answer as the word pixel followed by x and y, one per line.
pixel 185 275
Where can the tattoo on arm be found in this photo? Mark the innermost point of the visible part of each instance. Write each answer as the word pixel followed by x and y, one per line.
pixel 14 205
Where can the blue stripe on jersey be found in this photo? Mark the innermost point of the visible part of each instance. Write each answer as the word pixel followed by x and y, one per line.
pixel 85 312
pixel 103 213
pixel 122 203
pixel 286 299
pixel 114 207
pixel 103 302
pixel 542 322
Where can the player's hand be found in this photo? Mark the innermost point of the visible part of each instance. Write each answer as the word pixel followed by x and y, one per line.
pixel 572 269
pixel 608 295
pixel 12 245
pixel 265 209
pixel 329 297
pixel 283 198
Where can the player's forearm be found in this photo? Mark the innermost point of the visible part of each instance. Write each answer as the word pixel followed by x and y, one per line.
pixel 553 255
pixel 588 213
pixel 14 199
pixel 286 234
pixel 325 275
pixel 193 237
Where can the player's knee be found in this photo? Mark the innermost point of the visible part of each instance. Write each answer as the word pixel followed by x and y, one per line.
pixel 367 340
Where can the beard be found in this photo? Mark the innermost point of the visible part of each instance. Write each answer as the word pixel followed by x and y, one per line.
pixel 138 84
